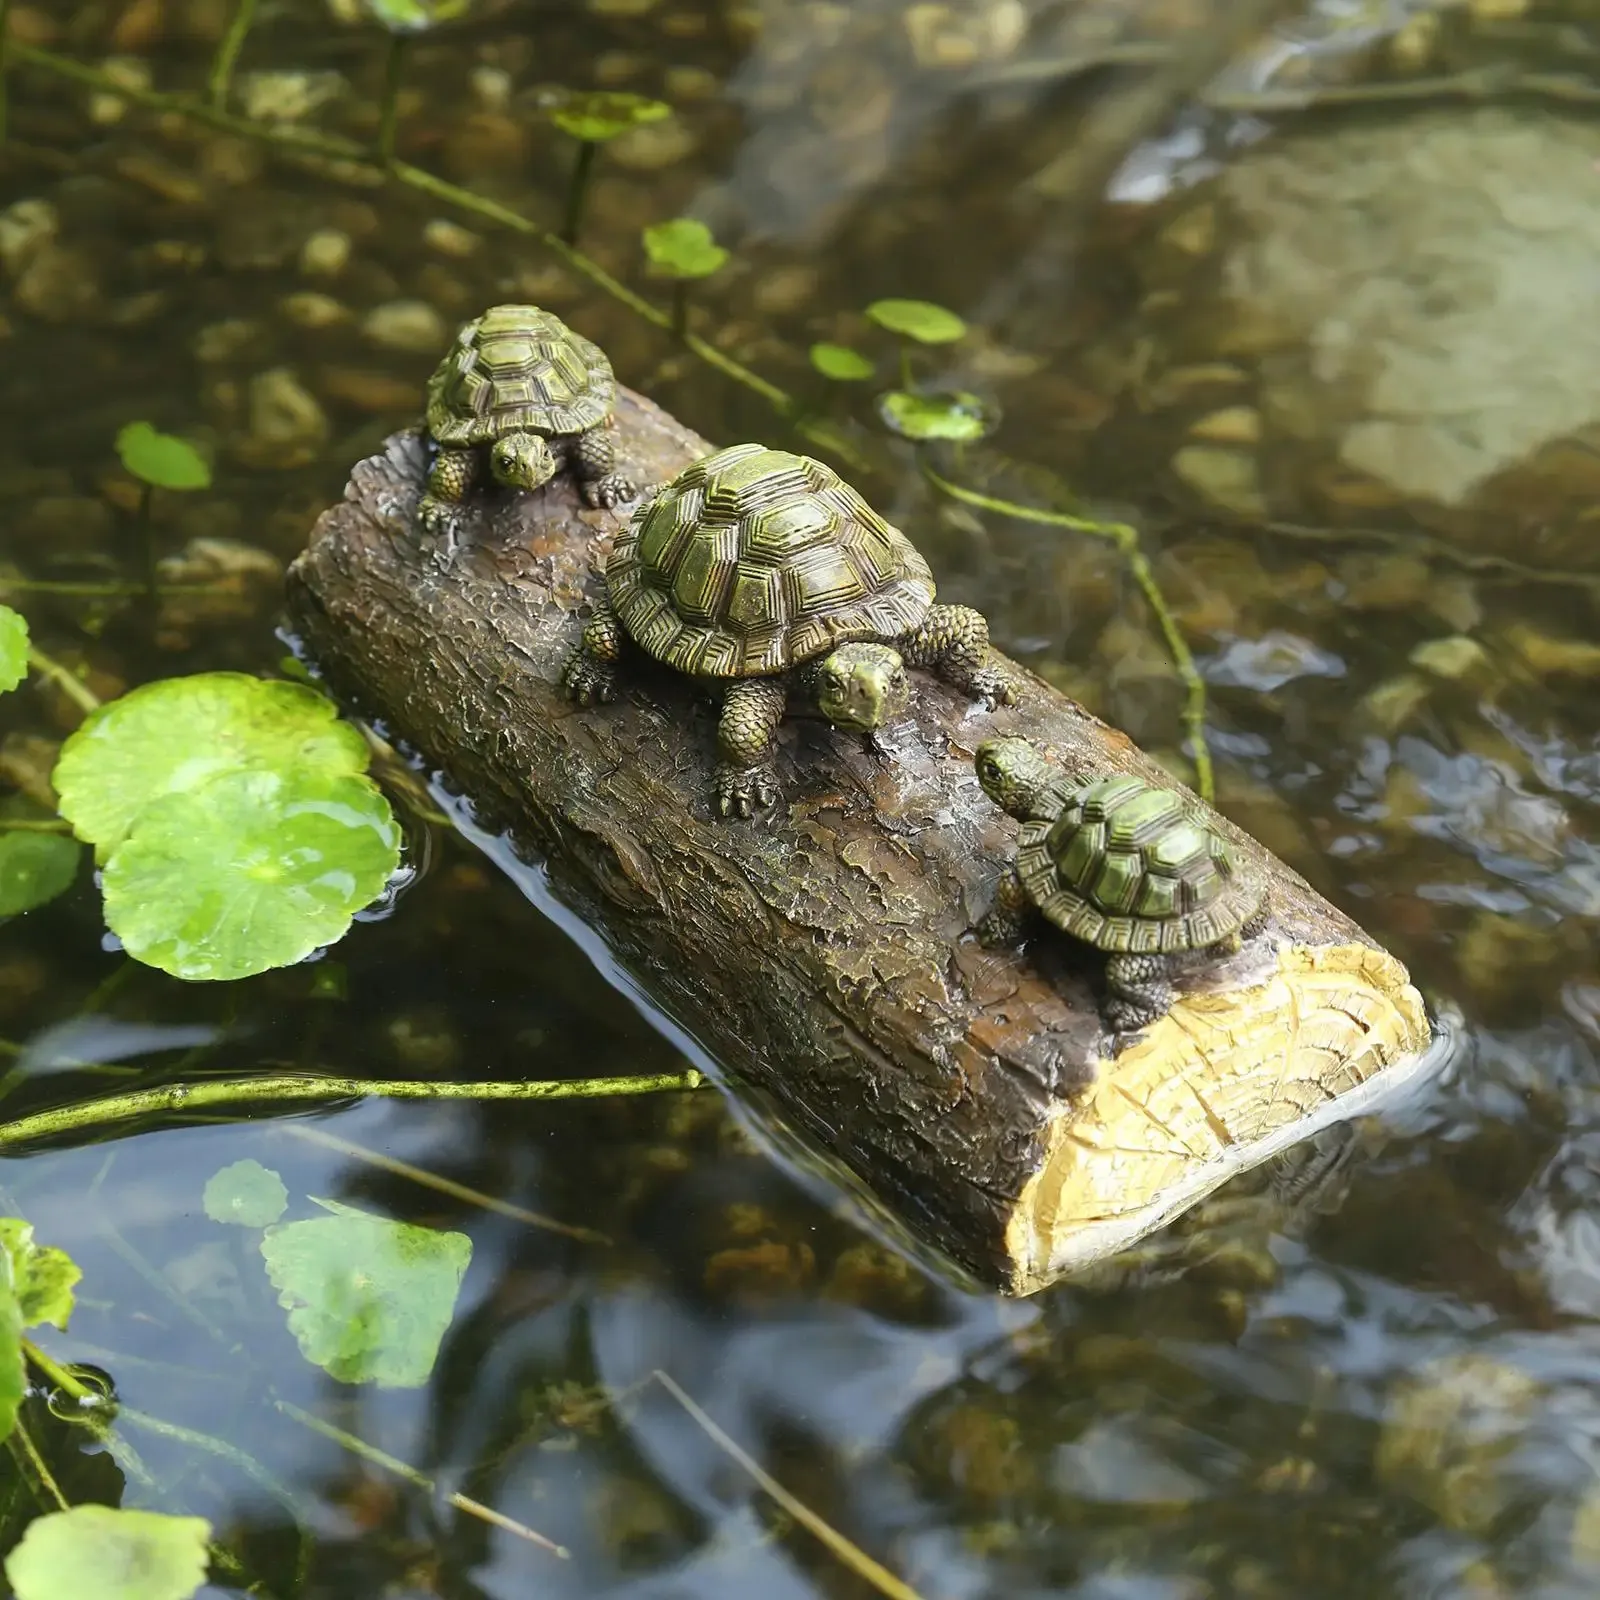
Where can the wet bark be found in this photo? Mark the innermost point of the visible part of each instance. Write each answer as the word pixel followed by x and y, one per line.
pixel 823 956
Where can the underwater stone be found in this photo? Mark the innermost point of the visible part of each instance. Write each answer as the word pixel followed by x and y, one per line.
pixel 326 253
pixel 408 325
pixel 1228 479
pixel 287 425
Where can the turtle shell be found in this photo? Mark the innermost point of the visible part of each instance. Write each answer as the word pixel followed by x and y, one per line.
pixel 517 367
pixel 1128 866
pixel 752 561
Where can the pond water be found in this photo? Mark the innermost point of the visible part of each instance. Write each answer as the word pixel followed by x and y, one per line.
pixel 1333 349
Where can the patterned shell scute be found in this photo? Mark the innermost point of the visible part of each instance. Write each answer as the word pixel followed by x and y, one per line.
pixel 754 560
pixel 1127 866
pixel 518 367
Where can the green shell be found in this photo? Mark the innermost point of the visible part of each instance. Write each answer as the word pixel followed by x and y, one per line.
pixel 754 560
pixel 517 367
pixel 1127 866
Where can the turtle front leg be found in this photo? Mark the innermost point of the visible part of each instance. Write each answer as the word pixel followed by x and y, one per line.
pixel 746 780
pixel 594 461
pixel 953 641
pixel 449 480
pixel 590 673
pixel 1140 988
pixel 1006 920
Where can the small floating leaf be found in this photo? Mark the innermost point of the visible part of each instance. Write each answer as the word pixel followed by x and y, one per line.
pixel 34 869
pixel 250 871
pixel 39 1276
pixel 109 1554
pixel 602 114
pixel 368 1299
pixel 13 648
pixel 841 363
pixel 414 16
pixel 247 1194
pixel 683 248
pixel 953 414
pixel 179 733
pixel 917 319
pixel 162 460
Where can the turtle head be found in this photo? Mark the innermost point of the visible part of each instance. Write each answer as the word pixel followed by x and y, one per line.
pixel 521 461
pixel 1015 775
pixel 862 686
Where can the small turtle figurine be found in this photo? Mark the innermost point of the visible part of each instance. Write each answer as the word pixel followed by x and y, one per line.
pixel 765 573
pixel 1122 865
pixel 520 382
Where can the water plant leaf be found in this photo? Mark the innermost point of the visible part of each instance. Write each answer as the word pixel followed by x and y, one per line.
pixel 368 1298
pixel 415 16
pixel 602 114
pixel 247 1194
pixel 162 460
pixel 250 871
pixel 34 869
pixel 917 319
pixel 953 414
pixel 179 733
pixel 841 363
pixel 40 1277
pixel 13 648
pixel 683 248
pixel 110 1554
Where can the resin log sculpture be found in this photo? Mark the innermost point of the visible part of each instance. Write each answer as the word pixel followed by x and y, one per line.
pixel 822 954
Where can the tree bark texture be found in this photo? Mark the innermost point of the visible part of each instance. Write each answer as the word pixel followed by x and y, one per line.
pixel 823 955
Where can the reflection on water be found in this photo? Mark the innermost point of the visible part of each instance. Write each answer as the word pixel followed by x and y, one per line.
pixel 1335 366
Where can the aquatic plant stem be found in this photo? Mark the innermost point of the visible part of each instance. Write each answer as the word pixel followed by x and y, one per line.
pixel 48 668
pixel 1126 539
pixel 22 1442
pixel 297 1088
pixel 221 76
pixel 578 189
pixel 147 550
pixel 680 311
pixel 394 66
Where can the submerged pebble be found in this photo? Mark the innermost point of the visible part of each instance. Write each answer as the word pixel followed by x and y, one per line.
pixel 286 425
pixel 408 325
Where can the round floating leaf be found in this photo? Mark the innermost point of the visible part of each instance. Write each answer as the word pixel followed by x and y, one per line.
pixel 251 871
pixel 841 363
pixel 179 733
pixel 39 1276
pixel 603 114
pixel 950 415
pixel 162 460
pixel 13 648
pixel 110 1554
pixel 368 1299
pixel 414 16
pixel 247 1194
pixel 683 248
pixel 34 869
pixel 917 319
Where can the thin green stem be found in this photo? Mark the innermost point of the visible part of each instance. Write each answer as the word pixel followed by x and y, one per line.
pixel 25 1445
pixel 100 591
pixel 297 1088
pixel 221 77
pixel 394 68
pixel 1126 539
pixel 680 307
pixel 62 1377
pixel 905 365
pixel 147 549
pixel 578 190
pixel 48 668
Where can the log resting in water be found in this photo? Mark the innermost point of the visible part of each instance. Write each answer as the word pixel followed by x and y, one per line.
pixel 824 956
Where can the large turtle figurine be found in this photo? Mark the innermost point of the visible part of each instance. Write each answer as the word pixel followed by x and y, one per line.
pixel 768 576
pixel 521 388
pixel 1122 865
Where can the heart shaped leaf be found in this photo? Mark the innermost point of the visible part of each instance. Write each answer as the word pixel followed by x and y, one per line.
pixel 683 248
pixel 603 114
pixel 162 460
pixel 917 319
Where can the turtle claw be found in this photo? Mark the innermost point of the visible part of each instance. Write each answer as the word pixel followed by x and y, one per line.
pixel 589 682
pixel 994 686
pixel 609 491
pixel 439 517
pixel 997 931
pixel 742 791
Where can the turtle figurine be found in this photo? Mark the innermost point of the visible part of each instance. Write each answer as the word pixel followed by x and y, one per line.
pixel 766 575
pixel 520 393
pixel 1122 865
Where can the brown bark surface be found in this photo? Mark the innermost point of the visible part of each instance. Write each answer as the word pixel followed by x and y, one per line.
pixel 822 955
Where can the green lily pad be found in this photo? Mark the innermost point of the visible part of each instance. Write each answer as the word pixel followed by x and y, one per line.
pixel 683 248
pixel 950 415
pixel 603 114
pixel 246 1193
pixel 162 460
pixel 368 1299
pixel 917 319
pixel 13 648
pixel 841 363
pixel 110 1554
pixel 250 871
pixel 413 16
pixel 179 733
pixel 34 869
